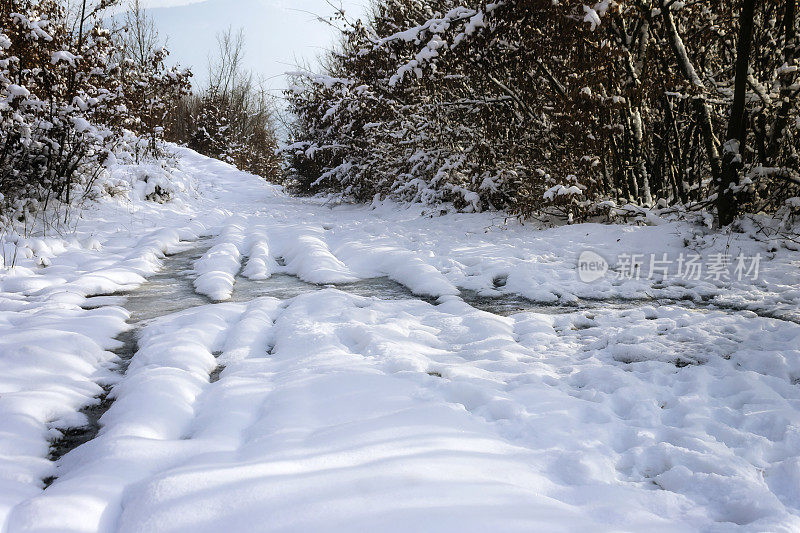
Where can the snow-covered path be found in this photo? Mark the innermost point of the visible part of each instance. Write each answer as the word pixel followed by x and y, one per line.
pixel 333 367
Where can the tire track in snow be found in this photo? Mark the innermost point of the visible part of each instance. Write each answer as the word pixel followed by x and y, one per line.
pixel 308 256
pixel 166 286
pixel 333 426
pixel 217 269
pixel 403 266
pixel 46 415
pixel 260 262
pixel 144 431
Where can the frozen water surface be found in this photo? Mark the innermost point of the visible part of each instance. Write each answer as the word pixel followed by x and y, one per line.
pixel 171 290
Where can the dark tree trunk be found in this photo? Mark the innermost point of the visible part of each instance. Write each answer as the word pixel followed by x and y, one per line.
pixel 80 27
pixel 732 161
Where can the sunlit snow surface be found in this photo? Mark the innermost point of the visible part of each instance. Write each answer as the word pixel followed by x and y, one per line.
pixel 310 367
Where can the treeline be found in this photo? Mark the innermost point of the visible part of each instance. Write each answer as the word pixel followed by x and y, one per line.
pixel 232 118
pixel 567 107
pixel 80 86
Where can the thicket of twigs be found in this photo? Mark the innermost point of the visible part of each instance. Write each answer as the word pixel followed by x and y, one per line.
pixel 568 107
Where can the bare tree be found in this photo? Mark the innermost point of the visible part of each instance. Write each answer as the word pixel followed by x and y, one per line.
pixel 140 40
pixel 226 67
pixel 232 117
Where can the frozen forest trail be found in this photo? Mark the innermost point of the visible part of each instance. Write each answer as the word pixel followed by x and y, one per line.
pixel 237 359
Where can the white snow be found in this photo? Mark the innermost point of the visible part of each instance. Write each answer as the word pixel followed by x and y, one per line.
pixel 63 55
pixel 82 125
pixel 260 262
pixel 17 91
pixel 217 268
pixel 340 412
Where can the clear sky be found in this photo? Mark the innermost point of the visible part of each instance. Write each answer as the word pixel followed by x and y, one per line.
pixel 278 33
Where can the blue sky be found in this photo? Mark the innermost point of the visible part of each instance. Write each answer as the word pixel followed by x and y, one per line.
pixel 279 33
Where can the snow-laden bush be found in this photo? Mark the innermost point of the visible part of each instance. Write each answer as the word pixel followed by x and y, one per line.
pixel 53 103
pixel 503 104
pixel 153 181
pixel 65 96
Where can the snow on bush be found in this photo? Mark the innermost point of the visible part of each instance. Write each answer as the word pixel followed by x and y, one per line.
pixel 64 100
pixel 493 105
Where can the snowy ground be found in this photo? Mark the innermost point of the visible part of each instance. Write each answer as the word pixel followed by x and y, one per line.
pixel 287 379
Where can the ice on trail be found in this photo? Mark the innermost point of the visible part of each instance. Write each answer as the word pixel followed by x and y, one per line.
pixel 343 402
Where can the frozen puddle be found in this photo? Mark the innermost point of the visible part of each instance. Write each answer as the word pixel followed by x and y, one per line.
pixel 166 292
pixel 510 304
pixel 171 291
pixel 285 286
